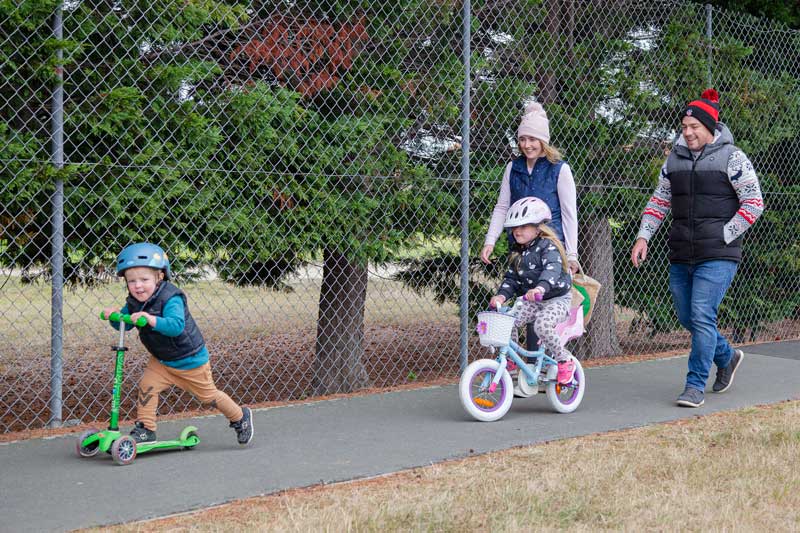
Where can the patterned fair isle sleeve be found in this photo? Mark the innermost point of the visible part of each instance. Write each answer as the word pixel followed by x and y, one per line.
pixel 657 207
pixel 751 203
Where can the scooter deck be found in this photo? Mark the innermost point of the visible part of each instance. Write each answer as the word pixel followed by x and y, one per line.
pixel 187 439
pixel 143 447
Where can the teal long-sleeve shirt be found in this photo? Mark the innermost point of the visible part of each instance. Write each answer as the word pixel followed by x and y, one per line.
pixel 171 324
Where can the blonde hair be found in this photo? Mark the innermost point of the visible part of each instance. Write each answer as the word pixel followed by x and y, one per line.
pixel 552 153
pixel 159 274
pixel 548 233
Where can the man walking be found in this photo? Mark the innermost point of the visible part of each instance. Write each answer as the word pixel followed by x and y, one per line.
pixel 714 195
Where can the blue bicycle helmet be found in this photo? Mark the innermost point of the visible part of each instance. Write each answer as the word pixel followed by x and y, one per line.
pixel 143 254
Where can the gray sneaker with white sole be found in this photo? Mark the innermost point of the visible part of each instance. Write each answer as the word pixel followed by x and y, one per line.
pixel 691 398
pixel 244 427
pixel 725 375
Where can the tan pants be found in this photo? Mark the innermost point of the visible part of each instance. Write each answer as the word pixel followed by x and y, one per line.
pixel 197 381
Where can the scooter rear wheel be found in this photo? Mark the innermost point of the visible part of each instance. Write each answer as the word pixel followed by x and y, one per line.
pixel 124 450
pixel 190 435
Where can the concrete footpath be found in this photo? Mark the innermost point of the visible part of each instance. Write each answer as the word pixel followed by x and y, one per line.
pixel 44 486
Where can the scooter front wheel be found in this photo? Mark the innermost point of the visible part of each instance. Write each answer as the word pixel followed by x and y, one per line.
pixel 123 451
pixel 92 448
pixel 474 391
pixel 567 398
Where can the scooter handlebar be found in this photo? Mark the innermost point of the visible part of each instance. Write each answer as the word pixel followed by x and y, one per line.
pixel 119 317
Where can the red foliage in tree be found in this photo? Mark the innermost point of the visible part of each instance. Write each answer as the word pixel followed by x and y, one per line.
pixel 307 55
pixel 282 200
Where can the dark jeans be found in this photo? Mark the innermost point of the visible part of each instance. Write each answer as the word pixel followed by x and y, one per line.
pixel 531 339
pixel 697 291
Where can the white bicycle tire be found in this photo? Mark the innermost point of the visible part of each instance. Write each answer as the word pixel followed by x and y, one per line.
pixel 574 400
pixel 465 391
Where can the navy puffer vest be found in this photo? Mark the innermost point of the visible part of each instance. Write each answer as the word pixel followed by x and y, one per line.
pixel 188 343
pixel 541 182
pixel 703 201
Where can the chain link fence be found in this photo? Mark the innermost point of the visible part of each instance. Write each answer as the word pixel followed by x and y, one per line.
pixel 301 162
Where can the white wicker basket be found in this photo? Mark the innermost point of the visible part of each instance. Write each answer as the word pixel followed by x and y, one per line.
pixel 494 329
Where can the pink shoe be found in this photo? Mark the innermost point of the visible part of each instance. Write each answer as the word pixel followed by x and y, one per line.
pixel 565 371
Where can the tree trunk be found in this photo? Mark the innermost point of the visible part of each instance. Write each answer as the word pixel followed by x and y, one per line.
pixel 548 82
pixel 340 326
pixel 600 339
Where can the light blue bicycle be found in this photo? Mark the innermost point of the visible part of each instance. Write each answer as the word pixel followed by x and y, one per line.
pixel 486 387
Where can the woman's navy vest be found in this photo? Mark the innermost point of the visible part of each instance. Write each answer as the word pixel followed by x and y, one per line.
pixel 188 343
pixel 542 182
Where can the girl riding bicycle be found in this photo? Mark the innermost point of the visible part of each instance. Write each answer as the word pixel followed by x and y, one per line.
pixel 538 265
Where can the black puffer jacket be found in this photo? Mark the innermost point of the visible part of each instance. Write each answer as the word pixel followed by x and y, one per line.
pixel 539 265
pixel 703 201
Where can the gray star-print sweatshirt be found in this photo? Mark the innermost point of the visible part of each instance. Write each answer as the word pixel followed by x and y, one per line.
pixel 539 265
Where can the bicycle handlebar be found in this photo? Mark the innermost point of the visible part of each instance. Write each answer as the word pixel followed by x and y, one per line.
pixel 514 309
pixel 537 297
pixel 119 317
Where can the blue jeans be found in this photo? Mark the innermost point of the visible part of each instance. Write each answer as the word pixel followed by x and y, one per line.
pixel 697 291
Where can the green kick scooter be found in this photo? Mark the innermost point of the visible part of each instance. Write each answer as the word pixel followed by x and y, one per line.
pixel 123 448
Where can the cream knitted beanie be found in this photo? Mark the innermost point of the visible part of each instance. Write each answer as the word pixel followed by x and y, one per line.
pixel 534 123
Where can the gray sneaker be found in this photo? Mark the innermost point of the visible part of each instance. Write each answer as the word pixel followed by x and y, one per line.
pixel 691 398
pixel 725 375
pixel 244 427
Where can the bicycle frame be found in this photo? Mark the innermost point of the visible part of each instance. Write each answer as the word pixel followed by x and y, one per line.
pixel 513 351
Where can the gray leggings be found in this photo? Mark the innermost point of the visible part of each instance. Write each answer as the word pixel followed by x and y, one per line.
pixel 546 315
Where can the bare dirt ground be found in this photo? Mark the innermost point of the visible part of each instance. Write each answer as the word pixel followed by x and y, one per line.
pixel 267 369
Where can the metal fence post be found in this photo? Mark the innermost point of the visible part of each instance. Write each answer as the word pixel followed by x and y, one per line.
pixel 248 176
pixel 57 258
pixel 709 8
pixel 465 112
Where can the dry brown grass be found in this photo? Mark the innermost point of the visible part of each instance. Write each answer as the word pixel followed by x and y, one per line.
pixel 239 311
pixel 734 471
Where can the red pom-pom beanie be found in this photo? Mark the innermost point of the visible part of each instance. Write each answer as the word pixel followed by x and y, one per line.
pixel 706 109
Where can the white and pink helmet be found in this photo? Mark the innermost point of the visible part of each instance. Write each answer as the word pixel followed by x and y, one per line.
pixel 528 210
